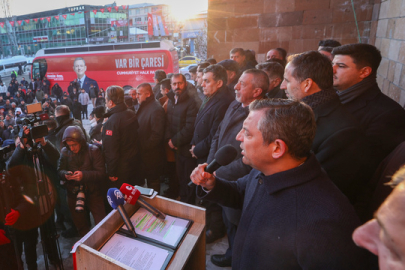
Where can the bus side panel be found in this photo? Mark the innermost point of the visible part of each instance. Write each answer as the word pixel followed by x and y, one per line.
pixel 111 68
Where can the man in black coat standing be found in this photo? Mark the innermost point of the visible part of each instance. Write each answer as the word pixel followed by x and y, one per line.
pixel 120 140
pixel 182 110
pixel 252 85
pixel 293 216
pixel 210 115
pixel 339 144
pixel 354 76
pixel 151 117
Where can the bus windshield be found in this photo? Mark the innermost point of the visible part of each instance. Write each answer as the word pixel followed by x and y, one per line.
pixel 39 68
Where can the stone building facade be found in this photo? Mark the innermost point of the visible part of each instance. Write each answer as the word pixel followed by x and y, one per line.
pixel 298 25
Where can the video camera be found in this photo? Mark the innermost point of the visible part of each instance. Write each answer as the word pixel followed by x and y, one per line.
pixel 29 121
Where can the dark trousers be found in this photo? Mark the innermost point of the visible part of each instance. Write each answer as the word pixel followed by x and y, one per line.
pixel 184 168
pixel 231 232
pixel 8 259
pixel 94 203
pixel 214 219
pixel 84 111
pixel 28 241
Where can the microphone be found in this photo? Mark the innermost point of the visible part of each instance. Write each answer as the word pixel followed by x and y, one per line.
pixel 132 196
pixel 225 155
pixel 116 200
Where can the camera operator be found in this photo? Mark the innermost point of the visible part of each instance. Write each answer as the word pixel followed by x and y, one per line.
pixel 11 201
pixel 21 166
pixel 82 166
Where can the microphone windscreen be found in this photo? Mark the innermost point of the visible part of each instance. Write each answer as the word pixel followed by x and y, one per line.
pixel 115 197
pixel 226 154
pixel 131 192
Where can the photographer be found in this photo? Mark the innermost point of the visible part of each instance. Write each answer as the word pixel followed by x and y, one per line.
pixel 21 166
pixel 82 166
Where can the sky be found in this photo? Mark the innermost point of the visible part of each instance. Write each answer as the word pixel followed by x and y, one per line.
pixel 182 8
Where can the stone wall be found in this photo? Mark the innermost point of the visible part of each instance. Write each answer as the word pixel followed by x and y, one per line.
pixel 296 25
pixel 390 39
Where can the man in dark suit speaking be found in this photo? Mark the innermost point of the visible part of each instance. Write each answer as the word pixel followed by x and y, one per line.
pixel 79 66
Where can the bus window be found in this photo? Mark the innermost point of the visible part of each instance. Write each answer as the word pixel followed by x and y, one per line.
pixel 39 68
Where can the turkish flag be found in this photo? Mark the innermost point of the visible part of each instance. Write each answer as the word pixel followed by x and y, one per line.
pixel 72 14
pixel 95 11
pixel 64 16
pixel 108 132
pixel 48 19
pixel 35 20
pixel 42 19
pixel 109 9
pixel 27 21
pixel 57 17
pixel 2 24
pixel 102 10
pixel 150 24
pixel 12 23
pixel 19 22
pixel 124 7
pixel 116 8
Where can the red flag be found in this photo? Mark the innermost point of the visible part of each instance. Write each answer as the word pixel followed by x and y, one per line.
pixel 19 22
pixel 124 7
pixel 116 8
pixel 102 10
pixel 27 21
pixel 109 9
pixel 86 11
pixel 72 14
pixel 79 12
pixel 150 24
pixel 57 17
pixel 64 16
pixel 48 19
pixel 42 19
pixel 12 23
pixel 95 11
pixel 2 24
pixel 35 20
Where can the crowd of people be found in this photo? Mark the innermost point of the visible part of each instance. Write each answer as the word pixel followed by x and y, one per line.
pixel 313 133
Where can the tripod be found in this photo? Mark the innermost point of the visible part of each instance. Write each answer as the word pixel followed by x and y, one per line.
pixel 45 200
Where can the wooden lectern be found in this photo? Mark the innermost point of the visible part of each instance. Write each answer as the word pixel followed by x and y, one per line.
pixel 189 255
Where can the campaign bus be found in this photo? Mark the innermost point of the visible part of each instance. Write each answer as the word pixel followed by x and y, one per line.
pixel 124 64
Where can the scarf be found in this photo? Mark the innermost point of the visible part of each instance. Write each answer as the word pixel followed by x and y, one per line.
pixel 320 98
pixel 356 90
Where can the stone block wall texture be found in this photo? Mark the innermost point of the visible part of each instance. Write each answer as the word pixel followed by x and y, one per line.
pixel 390 39
pixel 296 25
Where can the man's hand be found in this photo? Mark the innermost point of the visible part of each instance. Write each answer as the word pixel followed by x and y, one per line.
pixel 113 178
pixel 171 145
pixel 3 239
pixel 192 151
pixel 69 175
pixel 202 178
pixel 77 176
pixel 12 217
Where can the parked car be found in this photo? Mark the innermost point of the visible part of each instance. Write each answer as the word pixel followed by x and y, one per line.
pixel 186 71
pixel 188 60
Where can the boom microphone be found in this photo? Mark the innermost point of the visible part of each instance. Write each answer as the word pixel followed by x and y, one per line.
pixel 132 196
pixel 225 155
pixel 116 200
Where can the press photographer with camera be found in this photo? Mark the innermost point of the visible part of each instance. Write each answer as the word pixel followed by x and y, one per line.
pixel 81 166
pixel 33 165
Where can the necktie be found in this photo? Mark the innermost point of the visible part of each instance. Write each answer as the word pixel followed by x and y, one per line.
pixel 80 83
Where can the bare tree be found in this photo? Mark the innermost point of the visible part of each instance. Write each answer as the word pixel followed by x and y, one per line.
pixel 5 5
pixel 201 43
